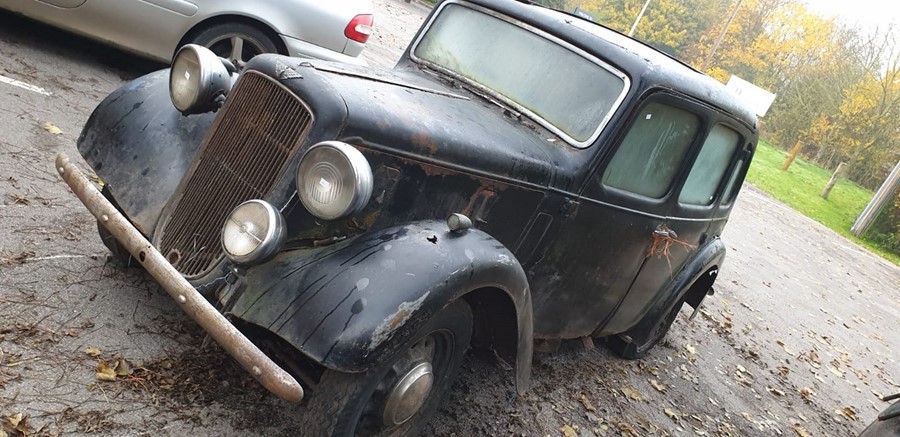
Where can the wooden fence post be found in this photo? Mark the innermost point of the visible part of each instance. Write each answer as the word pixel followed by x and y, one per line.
pixel 833 180
pixel 792 155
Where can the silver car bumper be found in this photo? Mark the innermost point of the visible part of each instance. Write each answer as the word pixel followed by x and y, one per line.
pixel 270 375
pixel 304 49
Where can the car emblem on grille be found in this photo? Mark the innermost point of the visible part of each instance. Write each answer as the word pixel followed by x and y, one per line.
pixel 283 71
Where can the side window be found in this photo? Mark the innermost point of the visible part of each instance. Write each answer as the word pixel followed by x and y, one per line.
pixel 649 157
pixel 710 166
pixel 731 188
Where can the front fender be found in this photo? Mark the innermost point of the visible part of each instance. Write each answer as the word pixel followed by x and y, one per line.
pixel 141 146
pixel 352 306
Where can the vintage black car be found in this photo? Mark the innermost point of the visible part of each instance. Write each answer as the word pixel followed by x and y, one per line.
pixel 346 233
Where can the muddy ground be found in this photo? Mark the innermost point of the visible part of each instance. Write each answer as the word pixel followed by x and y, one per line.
pixel 800 338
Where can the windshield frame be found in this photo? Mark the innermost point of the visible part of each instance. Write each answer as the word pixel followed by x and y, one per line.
pixel 626 81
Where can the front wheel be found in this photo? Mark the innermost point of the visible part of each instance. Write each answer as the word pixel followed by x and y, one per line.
pixel 397 397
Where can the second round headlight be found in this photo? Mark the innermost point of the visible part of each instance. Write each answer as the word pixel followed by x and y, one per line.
pixel 334 180
pixel 252 232
pixel 197 79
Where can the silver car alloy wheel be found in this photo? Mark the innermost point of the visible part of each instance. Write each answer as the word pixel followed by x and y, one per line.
pixel 237 48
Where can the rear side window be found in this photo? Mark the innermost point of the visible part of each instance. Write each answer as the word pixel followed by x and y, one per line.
pixel 649 157
pixel 730 190
pixel 710 166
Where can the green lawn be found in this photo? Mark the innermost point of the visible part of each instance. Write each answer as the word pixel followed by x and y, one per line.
pixel 800 186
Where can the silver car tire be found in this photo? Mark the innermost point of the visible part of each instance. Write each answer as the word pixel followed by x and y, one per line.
pixel 237 42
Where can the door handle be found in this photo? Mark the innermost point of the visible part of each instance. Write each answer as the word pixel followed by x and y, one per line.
pixel 663 231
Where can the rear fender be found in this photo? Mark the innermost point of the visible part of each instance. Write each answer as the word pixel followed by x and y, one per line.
pixel 353 305
pixel 141 146
pixel 692 284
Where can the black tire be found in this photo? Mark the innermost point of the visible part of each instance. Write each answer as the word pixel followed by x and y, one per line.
pixel 220 38
pixel 635 344
pixel 349 404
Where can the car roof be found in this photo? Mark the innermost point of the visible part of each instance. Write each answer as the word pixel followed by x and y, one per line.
pixel 647 67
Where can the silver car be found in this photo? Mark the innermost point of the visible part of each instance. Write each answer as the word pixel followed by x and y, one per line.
pixel 335 30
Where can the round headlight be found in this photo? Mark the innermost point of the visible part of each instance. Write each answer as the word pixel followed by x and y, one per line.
pixel 198 80
pixel 334 180
pixel 252 232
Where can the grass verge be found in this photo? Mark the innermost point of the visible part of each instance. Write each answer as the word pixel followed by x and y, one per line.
pixel 800 187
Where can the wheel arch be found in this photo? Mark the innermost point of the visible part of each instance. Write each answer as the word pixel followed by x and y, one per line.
pixel 701 287
pixel 495 323
pixel 226 18
pixel 349 306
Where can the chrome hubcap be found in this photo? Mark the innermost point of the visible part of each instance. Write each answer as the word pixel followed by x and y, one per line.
pixel 408 395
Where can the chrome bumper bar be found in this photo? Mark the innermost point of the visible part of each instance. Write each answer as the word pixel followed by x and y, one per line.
pixel 270 375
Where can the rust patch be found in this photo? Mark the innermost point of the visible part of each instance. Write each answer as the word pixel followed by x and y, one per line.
pixel 424 141
pixel 395 321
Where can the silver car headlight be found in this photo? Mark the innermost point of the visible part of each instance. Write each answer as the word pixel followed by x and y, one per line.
pixel 253 232
pixel 198 80
pixel 334 180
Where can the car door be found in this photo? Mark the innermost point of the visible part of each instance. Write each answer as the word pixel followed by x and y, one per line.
pixel 696 215
pixel 600 250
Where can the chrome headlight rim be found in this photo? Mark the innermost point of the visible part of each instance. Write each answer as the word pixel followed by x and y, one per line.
pixel 197 67
pixel 356 164
pixel 272 241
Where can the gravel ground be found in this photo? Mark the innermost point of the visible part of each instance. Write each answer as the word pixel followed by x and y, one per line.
pixel 798 340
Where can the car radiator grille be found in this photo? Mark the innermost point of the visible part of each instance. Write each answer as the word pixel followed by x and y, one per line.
pixel 244 153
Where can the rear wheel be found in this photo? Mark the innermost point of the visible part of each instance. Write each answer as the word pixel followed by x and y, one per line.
pixel 638 341
pixel 398 397
pixel 237 42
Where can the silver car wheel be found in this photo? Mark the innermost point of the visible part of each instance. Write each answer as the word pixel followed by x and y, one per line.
pixel 237 42
pixel 236 48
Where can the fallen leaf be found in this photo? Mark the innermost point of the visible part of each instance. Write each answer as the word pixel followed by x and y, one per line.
pixel 587 403
pixel 690 349
pixel 775 391
pixel 632 393
pixel 568 431
pixel 801 431
pixel 49 127
pixel 659 387
pixel 18 424
pixel 806 392
pixel 105 373
pixel 836 372
pixel 783 370
pixel 672 415
pixel 92 351
pixel 849 412
pixel 123 368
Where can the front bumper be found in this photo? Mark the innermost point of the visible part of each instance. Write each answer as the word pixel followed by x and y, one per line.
pixel 270 375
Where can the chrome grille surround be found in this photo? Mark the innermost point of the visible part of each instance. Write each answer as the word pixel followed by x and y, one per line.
pixel 244 154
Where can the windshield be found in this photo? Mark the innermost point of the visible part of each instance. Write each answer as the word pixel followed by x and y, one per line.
pixel 569 93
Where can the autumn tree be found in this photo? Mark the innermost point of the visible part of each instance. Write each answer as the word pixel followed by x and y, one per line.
pixel 668 25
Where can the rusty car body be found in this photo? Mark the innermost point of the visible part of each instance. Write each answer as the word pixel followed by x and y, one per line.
pixel 355 230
